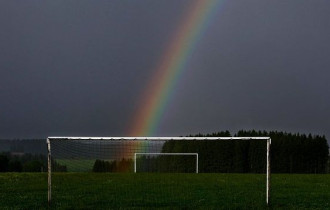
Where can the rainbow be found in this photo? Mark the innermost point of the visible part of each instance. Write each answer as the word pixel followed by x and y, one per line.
pixel 171 67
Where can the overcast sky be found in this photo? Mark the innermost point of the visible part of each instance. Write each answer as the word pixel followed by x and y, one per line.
pixel 78 68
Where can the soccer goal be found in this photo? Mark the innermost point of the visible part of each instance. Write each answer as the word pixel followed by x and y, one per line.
pixel 156 168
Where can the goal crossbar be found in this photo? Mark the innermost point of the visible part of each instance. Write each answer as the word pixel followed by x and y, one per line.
pixel 268 139
pixel 158 138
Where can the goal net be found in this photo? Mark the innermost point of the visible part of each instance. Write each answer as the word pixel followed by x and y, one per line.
pixel 183 172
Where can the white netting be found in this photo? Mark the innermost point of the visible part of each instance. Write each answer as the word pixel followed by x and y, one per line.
pixel 103 170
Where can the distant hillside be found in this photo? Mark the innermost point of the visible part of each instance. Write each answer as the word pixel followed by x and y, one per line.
pixel 25 146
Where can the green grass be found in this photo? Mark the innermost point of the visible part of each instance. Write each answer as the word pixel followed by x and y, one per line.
pixel 163 191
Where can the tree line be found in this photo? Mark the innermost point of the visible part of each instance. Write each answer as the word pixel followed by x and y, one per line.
pixel 147 164
pixel 290 153
pixel 295 153
pixel 27 163
pixel 124 165
pixel 22 163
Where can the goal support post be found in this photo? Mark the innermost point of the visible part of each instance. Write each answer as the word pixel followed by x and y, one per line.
pixel 49 172
pixel 267 139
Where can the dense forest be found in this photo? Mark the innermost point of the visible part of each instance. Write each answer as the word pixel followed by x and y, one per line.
pixel 123 165
pixel 22 163
pixel 26 163
pixel 290 153
pixel 294 153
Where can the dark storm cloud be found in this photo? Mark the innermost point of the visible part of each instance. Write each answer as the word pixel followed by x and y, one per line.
pixel 78 67
pixel 262 65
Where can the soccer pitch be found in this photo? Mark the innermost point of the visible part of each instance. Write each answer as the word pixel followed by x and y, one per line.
pixel 164 191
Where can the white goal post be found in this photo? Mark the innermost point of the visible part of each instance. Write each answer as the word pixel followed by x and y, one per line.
pixel 268 139
pixel 159 153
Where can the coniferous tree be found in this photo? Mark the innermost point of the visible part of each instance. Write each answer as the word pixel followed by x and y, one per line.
pixel 3 163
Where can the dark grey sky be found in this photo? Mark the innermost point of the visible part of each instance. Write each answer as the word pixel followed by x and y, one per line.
pixel 79 67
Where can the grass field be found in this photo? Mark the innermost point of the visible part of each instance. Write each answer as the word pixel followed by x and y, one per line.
pixel 163 191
